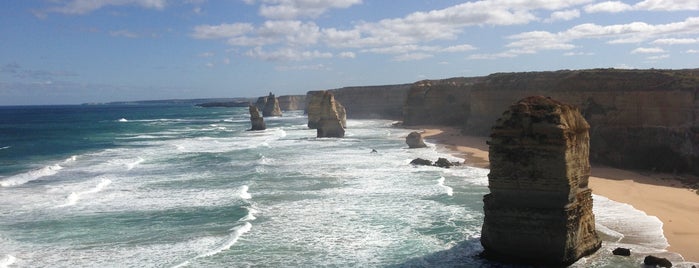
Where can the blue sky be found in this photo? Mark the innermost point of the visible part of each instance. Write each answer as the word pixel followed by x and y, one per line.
pixel 76 51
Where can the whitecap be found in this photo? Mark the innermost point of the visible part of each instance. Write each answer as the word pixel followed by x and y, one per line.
pixel 251 214
pixel 73 198
pixel 224 245
pixel 23 178
pixel 6 147
pixel 122 120
pixel 132 165
pixel 244 192
pixel 449 190
pixel 7 261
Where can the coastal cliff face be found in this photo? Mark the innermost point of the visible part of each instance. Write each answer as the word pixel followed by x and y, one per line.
pixel 539 210
pixel 315 108
pixel 373 101
pixel 646 119
pixel 292 102
pixel 438 102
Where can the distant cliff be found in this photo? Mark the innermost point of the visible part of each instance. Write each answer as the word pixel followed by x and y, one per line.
pixel 292 102
pixel 639 118
pixel 373 101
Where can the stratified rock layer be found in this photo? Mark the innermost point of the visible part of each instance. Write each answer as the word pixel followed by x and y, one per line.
pixel 414 140
pixel 329 120
pixel 292 102
pixel 539 210
pixel 271 107
pixel 258 123
pixel 314 108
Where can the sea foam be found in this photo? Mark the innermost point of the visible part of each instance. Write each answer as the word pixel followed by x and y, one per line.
pixel 449 190
pixel 73 198
pixel 7 260
pixel 23 178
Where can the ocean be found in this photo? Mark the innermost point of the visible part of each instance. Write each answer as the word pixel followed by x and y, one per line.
pixel 182 186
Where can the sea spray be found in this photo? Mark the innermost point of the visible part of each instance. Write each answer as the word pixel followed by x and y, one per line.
pixel 7 260
pixel 23 178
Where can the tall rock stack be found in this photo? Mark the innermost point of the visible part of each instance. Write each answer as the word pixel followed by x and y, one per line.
pixel 330 122
pixel 314 108
pixel 258 123
pixel 271 107
pixel 539 210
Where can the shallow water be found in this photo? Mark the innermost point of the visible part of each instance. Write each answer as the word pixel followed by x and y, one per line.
pixel 179 186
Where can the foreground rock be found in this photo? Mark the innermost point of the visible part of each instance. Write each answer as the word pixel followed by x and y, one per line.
pixel 258 123
pixel 414 140
pixel 314 108
pixel 329 119
pixel 539 210
pixel 622 252
pixel 656 261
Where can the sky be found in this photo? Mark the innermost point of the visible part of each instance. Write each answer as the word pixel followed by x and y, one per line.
pixel 82 51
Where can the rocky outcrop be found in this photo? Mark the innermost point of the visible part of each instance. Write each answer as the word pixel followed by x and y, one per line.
pixel 414 140
pixel 271 106
pixel 329 119
pixel 363 102
pixel 441 162
pixel 314 108
pixel 258 123
pixel 292 102
pixel 657 261
pixel 645 119
pixel 539 210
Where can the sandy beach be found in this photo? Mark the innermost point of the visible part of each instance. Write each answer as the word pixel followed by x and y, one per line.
pixel 665 196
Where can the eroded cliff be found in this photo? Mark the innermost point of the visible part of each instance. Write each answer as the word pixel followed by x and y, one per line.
pixel 646 119
pixel 292 102
pixel 373 101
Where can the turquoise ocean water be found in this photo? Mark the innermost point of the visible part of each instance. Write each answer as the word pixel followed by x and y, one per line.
pixel 181 186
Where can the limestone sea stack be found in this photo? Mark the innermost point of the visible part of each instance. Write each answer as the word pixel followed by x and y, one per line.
pixel 258 123
pixel 414 140
pixel 271 106
pixel 329 119
pixel 539 210
pixel 314 100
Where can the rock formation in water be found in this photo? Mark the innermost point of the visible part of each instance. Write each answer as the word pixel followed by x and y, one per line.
pixel 329 120
pixel 539 210
pixel 654 261
pixel 314 108
pixel 258 123
pixel 414 140
pixel 271 106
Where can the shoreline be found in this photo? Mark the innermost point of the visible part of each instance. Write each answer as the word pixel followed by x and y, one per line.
pixel 664 196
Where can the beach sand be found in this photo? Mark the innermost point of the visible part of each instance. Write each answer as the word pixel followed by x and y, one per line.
pixel 665 196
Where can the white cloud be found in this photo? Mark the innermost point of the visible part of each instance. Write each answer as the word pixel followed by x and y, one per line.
pixel 206 54
pixel 459 48
pixel 578 54
pixel 221 30
pixel 291 9
pixel 676 41
pixel 286 54
pixel 307 67
pixel 79 7
pixel 123 33
pixel 649 5
pixel 647 50
pixel 412 57
pixel 608 7
pixel 347 55
pixel 658 57
pixel 563 15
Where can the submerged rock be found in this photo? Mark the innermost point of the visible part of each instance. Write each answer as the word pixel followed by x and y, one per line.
pixel 539 210
pixel 414 140
pixel 258 123
pixel 657 261
pixel 329 119
pixel 621 252
pixel 421 162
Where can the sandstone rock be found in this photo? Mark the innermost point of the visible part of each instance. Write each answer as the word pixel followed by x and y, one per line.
pixel 271 107
pixel 384 101
pixel 656 261
pixel 421 162
pixel 329 119
pixel 258 123
pixel 539 210
pixel 314 108
pixel 414 140
pixel 621 252
pixel 292 102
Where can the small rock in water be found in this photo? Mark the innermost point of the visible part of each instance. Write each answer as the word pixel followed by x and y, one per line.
pixel 622 252
pixel 421 162
pixel 656 261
